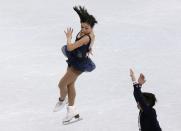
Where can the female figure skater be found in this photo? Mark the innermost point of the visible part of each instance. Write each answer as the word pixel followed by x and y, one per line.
pixel 145 102
pixel 78 61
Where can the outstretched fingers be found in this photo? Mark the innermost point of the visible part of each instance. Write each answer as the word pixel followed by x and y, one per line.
pixel 141 79
pixel 132 75
pixel 68 32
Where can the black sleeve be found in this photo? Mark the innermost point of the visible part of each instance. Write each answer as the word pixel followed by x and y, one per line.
pixel 139 97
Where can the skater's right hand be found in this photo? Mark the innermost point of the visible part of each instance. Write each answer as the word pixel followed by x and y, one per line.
pixel 68 33
pixel 132 75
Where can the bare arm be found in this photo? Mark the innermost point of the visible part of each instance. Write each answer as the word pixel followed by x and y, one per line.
pixel 72 46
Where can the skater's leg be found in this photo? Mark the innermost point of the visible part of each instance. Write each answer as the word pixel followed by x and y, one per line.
pixel 63 91
pixel 71 94
pixel 70 77
pixel 63 84
pixel 71 111
pixel 63 87
pixel 71 87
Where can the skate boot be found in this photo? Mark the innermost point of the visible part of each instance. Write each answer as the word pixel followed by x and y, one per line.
pixel 72 115
pixel 60 104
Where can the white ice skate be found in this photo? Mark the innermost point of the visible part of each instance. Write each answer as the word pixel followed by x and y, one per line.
pixel 72 116
pixel 60 105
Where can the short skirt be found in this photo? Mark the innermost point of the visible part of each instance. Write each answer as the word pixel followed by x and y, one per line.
pixel 84 64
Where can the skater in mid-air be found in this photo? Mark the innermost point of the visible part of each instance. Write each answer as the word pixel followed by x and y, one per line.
pixel 78 61
pixel 145 101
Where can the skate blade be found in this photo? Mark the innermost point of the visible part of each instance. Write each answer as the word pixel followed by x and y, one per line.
pixel 73 120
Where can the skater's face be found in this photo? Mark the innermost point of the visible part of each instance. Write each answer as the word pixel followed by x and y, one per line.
pixel 85 28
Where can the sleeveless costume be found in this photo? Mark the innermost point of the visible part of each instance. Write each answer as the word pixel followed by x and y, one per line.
pixel 78 58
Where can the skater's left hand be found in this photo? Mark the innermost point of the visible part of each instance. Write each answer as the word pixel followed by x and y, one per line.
pixel 141 79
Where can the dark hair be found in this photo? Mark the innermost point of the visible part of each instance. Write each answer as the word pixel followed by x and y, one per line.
pixel 85 16
pixel 150 98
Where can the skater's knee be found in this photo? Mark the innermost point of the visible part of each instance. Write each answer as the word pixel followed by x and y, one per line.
pixel 61 83
pixel 71 85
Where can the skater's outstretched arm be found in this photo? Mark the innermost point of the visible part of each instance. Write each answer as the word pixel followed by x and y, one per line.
pixel 72 46
pixel 137 90
pixel 139 97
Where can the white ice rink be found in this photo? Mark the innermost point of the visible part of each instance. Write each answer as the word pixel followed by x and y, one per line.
pixel 141 34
